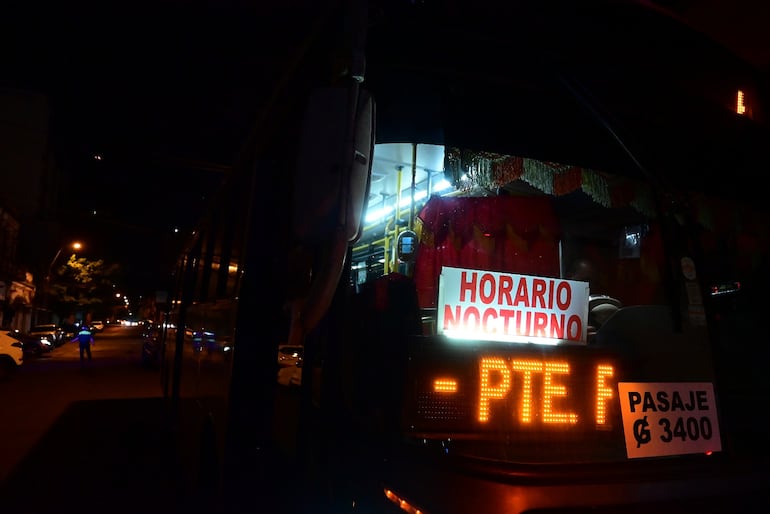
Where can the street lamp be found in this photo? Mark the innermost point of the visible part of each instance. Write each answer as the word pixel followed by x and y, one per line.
pixel 75 246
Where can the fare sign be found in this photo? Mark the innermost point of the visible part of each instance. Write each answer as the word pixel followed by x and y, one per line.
pixel 494 306
pixel 669 418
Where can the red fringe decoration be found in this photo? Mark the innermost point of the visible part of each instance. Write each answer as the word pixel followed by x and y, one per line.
pixel 567 181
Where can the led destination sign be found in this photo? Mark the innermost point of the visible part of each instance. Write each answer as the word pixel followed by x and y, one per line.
pixel 553 405
pixel 521 390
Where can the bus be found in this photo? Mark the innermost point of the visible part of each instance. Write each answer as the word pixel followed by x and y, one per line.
pixel 523 251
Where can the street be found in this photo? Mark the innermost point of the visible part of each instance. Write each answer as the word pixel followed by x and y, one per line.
pixel 88 438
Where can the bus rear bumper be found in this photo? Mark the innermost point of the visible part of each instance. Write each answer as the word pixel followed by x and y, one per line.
pixel 448 491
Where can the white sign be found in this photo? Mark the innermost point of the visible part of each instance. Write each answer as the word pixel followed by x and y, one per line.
pixel 493 306
pixel 669 418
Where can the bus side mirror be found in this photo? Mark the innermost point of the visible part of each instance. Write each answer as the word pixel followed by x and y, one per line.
pixel 331 190
pixel 334 165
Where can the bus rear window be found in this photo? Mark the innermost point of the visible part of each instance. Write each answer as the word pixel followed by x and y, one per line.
pixel 550 325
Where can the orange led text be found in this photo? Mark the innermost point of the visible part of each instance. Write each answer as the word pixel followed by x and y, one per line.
pixel 501 377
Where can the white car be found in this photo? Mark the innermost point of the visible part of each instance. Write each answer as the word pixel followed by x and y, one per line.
pixel 11 353
pixel 97 326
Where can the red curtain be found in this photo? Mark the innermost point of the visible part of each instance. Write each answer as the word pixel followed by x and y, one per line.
pixel 500 233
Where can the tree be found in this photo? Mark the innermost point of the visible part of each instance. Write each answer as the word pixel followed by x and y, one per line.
pixel 82 285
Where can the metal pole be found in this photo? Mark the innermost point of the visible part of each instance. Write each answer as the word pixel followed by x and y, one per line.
pixel 47 284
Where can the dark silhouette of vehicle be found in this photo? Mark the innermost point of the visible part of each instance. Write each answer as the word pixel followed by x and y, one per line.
pixel 49 335
pixel 151 344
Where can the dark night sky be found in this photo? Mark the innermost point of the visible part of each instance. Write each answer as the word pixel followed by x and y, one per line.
pixel 166 91
pixel 741 25
pixel 163 91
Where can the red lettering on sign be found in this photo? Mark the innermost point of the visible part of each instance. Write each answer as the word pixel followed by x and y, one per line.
pixel 550 294
pixel 538 293
pixel 468 286
pixel 522 294
pixel 452 321
pixel 574 328
pixel 472 318
pixel 541 322
pixel 513 322
pixel 563 295
pixel 527 322
pixel 507 314
pixel 489 313
pixel 506 286
pixel 487 289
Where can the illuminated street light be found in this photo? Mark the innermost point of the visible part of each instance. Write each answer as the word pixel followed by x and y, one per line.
pixel 75 246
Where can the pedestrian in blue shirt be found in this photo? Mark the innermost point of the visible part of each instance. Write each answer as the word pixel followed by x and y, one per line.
pixel 86 339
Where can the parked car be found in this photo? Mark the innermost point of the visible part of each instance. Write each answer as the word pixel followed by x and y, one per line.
pixel 35 346
pixel 151 336
pixel 47 336
pixel 69 330
pixel 11 353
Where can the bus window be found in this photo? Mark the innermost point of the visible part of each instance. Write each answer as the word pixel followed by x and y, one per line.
pixel 536 314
